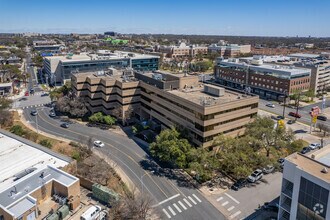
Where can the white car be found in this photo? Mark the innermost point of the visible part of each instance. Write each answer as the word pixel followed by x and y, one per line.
pixel 271 105
pixel 98 144
pixel 313 146
pixel 255 176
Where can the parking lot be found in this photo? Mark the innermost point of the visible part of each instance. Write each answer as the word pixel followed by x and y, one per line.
pixel 244 202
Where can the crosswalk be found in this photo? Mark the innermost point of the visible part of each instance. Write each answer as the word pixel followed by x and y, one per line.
pixel 181 206
pixel 34 106
pixel 229 203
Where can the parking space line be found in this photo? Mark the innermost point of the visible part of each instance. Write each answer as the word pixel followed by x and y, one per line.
pixel 232 198
pixel 235 214
pixel 225 203
pixel 183 206
pixel 166 213
pixel 197 198
pixel 192 200
pixel 171 210
pixel 186 201
pixel 219 199
pixel 231 208
pixel 177 207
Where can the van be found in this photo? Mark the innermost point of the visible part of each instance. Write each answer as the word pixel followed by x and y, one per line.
pixel 91 214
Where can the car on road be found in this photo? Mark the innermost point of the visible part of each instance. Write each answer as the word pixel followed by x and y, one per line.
pixel 22 99
pixel 290 122
pixel 44 94
pixel 268 169
pixel 26 93
pixel 293 114
pixel 313 146
pixel 34 112
pixel 65 125
pixel 240 183
pixel 277 118
pixel 255 176
pixel 31 91
pixel 270 105
pixel 305 150
pixel 322 117
pixel 52 114
pixel 98 144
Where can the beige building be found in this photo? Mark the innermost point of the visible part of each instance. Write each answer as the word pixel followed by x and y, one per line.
pixel 183 50
pixel 170 100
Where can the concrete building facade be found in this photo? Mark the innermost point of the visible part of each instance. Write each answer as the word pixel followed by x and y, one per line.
pixel 170 100
pixel 229 50
pixel 182 50
pixel 305 186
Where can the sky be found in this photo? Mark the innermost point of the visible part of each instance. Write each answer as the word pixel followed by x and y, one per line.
pixel 211 17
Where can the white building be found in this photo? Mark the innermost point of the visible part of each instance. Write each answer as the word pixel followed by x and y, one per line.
pixel 305 186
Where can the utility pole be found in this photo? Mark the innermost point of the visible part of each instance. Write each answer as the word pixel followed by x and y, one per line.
pixel 297 107
pixel 285 96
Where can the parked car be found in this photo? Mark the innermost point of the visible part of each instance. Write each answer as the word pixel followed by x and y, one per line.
pixel 293 114
pixel 270 105
pixel 31 91
pixel 281 162
pixel 268 169
pixel 44 94
pixel 240 183
pixel 313 146
pixel 26 93
pixel 98 144
pixel 255 176
pixel 290 122
pixel 322 117
pixel 305 150
pixel 278 117
pixel 34 112
pixel 52 114
pixel 65 125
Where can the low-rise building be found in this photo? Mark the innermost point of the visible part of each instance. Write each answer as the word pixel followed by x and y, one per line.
pixel 229 50
pixel 205 110
pixel 182 51
pixel 305 186
pixel 6 88
pixel 48 46
pixel 265 79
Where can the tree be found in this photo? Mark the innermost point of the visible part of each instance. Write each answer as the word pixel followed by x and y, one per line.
pixel 75 107
pixel 18 130
pixel 96 117
pixel 109 120
pixel 266 136
pixel 6 117
pixel 324 128
pixel 170 148
pixel 38 60
pixel 311 94
pixel 296 146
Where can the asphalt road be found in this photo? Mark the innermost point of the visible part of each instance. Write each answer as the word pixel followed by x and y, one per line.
pixel 173 198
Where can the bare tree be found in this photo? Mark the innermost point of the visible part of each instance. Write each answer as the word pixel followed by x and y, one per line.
pixel 324 128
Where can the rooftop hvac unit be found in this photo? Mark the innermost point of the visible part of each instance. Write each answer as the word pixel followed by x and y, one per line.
pixel 157 76
pixel 214 90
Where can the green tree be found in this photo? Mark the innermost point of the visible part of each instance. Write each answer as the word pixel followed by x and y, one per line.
pixel 107 119
pixel 310 94
pixel 96 117
pixel 296 146
pixel 170 148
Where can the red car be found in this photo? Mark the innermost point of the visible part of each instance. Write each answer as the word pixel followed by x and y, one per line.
pixel 27 93
pixel 296 115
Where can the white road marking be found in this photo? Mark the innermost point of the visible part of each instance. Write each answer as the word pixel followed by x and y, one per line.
pixel 192 200
pixel 171 210
pixel 197 198
pixel 219 199
pixel 186 201
pixel 166 213
pixel 177 207
pixel 166 200
pixel 225 203
pixel 231 208
pixel 183 206
pixel 235 214
pixel 232 198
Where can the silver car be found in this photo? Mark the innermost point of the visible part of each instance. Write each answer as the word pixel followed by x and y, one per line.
pixel 255 176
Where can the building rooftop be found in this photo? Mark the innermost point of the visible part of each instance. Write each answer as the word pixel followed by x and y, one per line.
pixel 27 156
pixel 122 75
pixel 314 163
pixel 304 55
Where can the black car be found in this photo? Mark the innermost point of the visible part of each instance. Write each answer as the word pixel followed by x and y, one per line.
pixel 239 184
pixel 291 122
pixel 31 91
pixel 322 117
pixel 305 150
pixel 65 125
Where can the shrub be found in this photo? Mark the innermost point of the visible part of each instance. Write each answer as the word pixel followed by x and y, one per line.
pixel 46 143
pixel 18 130
pixel 76 155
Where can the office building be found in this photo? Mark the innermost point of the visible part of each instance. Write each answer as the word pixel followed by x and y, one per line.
pixel 271 81
pixel 305 186
pixel 229 50
pixel 59 68
pixel 182 50
pixel 32 185
pixel 319 64
pixel 48 46
pixel 167 99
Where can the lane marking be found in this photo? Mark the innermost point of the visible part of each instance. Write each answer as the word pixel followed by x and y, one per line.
pixel 177 207
pixel 166 213
pixel 197 198
pixel 225 203
pixel 192 200
pixel 183 206
pixel 219 199
pixel 235 214
pixel 186 201
pixel 171 210
pixel 232 198
pixel 231 208
pixel 166 200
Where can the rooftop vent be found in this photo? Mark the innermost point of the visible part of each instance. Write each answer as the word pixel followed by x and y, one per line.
pixel 324 170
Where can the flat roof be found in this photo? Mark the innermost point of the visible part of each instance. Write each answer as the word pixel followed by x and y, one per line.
pixel 33 181
pixel 304 55
pixel 313 163
pixel 25 156
pixel 22 206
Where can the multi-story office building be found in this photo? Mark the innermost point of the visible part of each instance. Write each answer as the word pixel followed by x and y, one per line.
pixel 169 100
pixel 60 68
pixel 267 80
pixel 229 50
pixel 320 69
pixel 305 186
pixel 48 46
pixel 182 51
